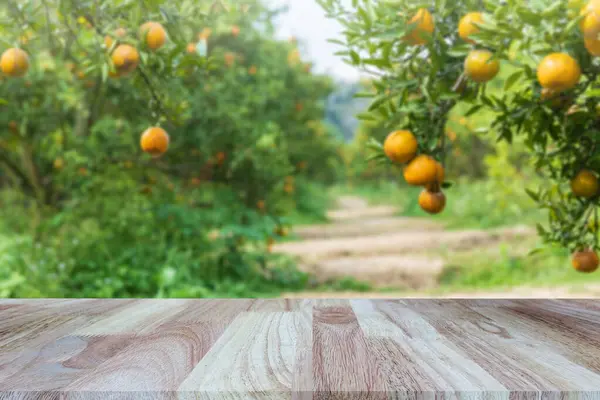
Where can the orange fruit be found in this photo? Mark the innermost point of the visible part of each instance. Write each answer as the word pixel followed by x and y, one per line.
pixel 293 57
pixel 120 32
pixel 424 24
pixel 260 205
pixel 585 261
pixel 125 59
pixel 14 62
pixel 229 59
pixel 466 26
pixel 299 107
pixel 288 188
pixel 253 70
pixel 592 46
pixel 205 34
pixel 400 146
pixel 479 68
pixel 195 181
pixel 559 72
pixel 422 170
pixel 585 184
pixel 220 158
pixel 13 126
pixel 83 172
pixel 154 141
pixel 191 48
pixel 440 176
pixel 108 41
pixel 235 31
pixel 58 163
pixel 432 202
pixel 590 24
pixel 153 34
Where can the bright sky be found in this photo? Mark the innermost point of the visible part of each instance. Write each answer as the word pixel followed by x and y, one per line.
pixel 306 21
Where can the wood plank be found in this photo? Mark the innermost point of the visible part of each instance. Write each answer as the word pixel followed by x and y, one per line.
pixel 480 349
pixel 255 357
pixel 139 317
pixel 343 365
pixel 430 353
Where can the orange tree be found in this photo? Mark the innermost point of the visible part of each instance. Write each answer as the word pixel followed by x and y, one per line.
pixel 141 154
pixel 445 53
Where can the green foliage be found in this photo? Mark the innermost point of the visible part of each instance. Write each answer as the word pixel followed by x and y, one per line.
pixel 88 214
pixel 418 85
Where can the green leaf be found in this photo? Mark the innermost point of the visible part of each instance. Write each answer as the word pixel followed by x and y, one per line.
pixel 570 26
pixel 363 95
pixel 553 10
pixel 533 195
pixel 535 251
pixel 336 41
pixel 374 144
pixel 366 117
pixel 378 102
pixel 512 79
pixel 459 50
pixel 473 110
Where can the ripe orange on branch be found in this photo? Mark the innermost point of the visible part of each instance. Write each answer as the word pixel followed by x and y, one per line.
pixel 424 24
pixel 125 59
pixel 592 46
pixel 153 34
pixel 467 27
pixel 14 62
pixel 432 202
pixel 400 146
pixel 422 170
pixel 558 72
pixel 439 178
pixel 480 67
pixel 585 184
pixel 154 141
pixel 590 24
pixel 585 261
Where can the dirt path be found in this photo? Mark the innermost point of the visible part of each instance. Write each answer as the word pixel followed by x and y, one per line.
pixel 372 244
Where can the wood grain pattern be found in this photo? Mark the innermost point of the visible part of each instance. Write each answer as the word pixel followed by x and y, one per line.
pixel 300 349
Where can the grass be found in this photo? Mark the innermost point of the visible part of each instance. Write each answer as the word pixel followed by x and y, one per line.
pixel 547 269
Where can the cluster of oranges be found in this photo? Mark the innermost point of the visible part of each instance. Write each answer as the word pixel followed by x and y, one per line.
pixel 14 62
pixel 556 73
pixel 401 147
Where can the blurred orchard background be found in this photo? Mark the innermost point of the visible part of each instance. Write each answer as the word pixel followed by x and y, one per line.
pixel 265 189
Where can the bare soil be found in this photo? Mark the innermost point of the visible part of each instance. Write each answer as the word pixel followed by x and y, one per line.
pixel 372 244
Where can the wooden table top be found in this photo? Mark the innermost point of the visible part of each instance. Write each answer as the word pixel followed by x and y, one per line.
pixel 299 349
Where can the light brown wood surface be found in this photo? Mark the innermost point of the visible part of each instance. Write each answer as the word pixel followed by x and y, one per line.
pixel 300 349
